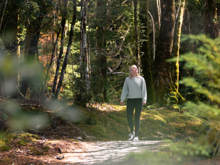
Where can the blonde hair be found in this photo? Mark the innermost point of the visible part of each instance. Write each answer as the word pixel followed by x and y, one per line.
pixel 137 71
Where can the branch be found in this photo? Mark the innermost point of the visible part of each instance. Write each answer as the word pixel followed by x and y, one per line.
pixel 3 13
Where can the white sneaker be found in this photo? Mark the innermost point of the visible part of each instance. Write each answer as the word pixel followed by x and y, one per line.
pixel 136 139
pixel 131 136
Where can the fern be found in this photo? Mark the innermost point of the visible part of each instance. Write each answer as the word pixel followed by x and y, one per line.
pixel 204 64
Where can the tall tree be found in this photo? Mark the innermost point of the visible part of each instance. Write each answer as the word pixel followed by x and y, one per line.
pixel 8 25
pixel 177 51
pixel 145 46
pixel 163 77
pixel 63 23
pixel 136 32
pixel 37 10
pixel 8 34
pixel 211 19
pixel 68 50
pixel 83 93
pixel 101 59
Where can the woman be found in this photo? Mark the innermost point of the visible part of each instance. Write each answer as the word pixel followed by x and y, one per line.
pixel 134 90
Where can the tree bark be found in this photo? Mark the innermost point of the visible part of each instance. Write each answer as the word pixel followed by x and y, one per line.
pixel 145 47
pixel 100 73
pixel 162 69
pixel 84 96
pixel 211 19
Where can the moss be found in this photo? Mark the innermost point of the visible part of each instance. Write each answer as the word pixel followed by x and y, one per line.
pixel 4 146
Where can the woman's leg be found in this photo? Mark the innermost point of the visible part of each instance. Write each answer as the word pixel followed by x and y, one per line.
pixel 130 111
pixel 138 108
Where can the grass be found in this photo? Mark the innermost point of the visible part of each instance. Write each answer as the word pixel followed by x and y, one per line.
pixel 10 140
pixel 111 124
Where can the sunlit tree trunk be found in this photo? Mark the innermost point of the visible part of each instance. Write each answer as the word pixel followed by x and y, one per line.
pixel 158 13
pixel 68 50
pixel 177 53
pixel 63 23
pixel 162 75
pixel 49 65
pixel 84 53
pixel 83 84
pixel 211 19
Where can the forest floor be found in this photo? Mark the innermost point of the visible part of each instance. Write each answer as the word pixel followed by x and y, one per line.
pixel 100 138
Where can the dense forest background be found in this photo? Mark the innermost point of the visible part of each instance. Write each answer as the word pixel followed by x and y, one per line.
pixel 79 51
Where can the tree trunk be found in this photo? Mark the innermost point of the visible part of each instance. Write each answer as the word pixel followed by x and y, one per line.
pixel 8 29
pixel 68 50
pixel 31 53
pixel 145 47
pixel 8 35
pixel 136 33
pixel 162 69
pixel 84 95
pixel 100 74
pixel 3 13
pixel 177 53
pixel 158 13
pixel 211 19
pixel 63 23
pixel 52 57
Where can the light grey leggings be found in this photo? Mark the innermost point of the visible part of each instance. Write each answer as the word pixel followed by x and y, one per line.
pixel 131 105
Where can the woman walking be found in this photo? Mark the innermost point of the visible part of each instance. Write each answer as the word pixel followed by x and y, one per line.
pixel 135 91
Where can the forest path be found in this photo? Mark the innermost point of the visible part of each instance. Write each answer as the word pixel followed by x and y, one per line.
pixel 75 152
pixel 104 153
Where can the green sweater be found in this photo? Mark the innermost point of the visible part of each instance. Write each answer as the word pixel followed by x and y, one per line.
pixel 134 87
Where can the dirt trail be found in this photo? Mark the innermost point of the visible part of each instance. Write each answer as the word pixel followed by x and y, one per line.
pixel 77 152
pixel 105 152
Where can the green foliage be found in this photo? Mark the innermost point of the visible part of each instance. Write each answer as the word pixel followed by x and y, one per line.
pixel 204 64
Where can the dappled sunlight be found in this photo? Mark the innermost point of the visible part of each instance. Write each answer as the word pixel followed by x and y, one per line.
pixel 152 116
pixel 107 107
pixel 177 125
